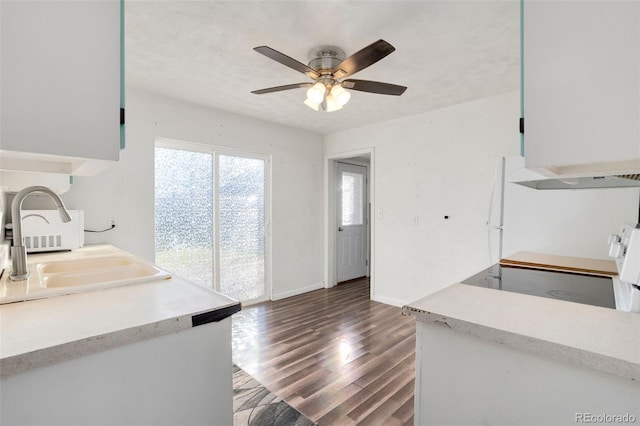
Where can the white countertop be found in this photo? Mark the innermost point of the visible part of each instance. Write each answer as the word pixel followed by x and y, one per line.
pixel 41 332
pixel 598 338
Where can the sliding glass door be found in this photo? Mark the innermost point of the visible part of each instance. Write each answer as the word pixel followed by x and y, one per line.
pixel 184 213
pixel 211 214
pixel 241 224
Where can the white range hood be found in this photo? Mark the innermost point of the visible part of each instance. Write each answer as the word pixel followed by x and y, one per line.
pixel 536 180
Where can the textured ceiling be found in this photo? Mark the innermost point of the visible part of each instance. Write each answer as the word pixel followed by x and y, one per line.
pixel 447 52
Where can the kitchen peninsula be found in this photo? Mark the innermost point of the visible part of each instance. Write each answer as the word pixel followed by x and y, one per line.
pixel 157 352
pixel 486 356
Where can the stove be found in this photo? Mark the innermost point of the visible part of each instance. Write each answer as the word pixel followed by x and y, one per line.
pixel 625 249
pixel 570 287
pixel 620 292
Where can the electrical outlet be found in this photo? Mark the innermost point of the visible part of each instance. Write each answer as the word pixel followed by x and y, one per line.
pixel 112 221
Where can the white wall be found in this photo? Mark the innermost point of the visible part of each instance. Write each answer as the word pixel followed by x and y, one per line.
pixel 126 191
pixel 432 165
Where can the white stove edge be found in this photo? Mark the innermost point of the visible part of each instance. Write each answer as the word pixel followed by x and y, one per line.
pixel 625 249
pixel 627 296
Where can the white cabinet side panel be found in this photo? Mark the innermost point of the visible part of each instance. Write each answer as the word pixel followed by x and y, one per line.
pixel 179 379
pixel 468 380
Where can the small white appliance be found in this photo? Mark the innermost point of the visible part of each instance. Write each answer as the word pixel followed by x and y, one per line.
pixel 43 230
pixel 625 249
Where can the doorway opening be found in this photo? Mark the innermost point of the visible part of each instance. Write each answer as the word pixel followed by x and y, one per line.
pixel 349 254
pixel 211 215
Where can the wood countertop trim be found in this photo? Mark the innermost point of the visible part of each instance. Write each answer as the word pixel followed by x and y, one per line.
pixel 554 262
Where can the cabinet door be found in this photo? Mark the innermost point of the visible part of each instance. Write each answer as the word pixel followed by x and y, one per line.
pixel 61 78
pixel 582 85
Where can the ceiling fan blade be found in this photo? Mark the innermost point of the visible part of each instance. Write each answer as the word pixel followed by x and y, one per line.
pixel 363 58
pixel 374 87
pixel 287 61
pixel 281 88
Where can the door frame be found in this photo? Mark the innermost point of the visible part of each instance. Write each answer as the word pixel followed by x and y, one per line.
pixel 330 216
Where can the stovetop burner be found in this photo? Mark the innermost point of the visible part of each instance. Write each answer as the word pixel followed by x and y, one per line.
pixel 577 288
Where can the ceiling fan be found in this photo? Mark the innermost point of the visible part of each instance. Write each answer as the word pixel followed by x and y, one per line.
pixel 329 69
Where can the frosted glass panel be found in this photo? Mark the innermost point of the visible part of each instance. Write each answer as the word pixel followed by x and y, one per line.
pixel 352 198
pixel 184 213
pixel 242 214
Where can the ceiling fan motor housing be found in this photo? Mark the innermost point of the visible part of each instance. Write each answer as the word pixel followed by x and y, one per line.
pixel 325 58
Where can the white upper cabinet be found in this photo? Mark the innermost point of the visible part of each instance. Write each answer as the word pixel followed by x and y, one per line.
pixel 582 87
pixel 61 85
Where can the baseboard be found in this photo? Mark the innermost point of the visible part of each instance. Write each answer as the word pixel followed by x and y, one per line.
pixel 297 291
pixel 388 301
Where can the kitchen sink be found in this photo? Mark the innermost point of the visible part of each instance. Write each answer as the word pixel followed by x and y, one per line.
pixel 50 279
pixel 88 276
pixel 86 265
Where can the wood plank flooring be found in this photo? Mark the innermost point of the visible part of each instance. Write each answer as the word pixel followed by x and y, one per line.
pixel 332 354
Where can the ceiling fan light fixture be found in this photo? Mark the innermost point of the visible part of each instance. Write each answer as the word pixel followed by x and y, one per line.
pixel 331 105
pixel 313 105
pixel 316 93
pixel 340 95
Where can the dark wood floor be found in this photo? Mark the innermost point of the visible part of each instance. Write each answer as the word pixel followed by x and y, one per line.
pixel 333 354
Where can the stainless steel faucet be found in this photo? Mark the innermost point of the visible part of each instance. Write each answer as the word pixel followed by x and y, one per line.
pixel 19 251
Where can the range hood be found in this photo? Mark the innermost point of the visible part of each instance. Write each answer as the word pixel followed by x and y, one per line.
pixel 543 182
pixel 536 180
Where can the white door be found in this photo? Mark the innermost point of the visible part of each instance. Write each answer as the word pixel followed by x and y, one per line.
pixel 352 221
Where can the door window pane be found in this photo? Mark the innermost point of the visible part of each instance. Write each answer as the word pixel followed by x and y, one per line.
pixel 352 198
pixel 241 223
pixel 184 213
